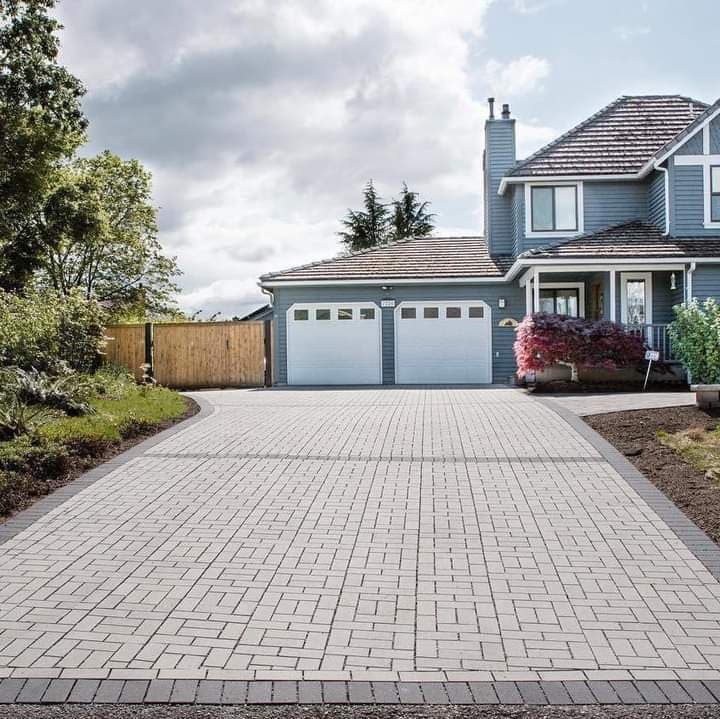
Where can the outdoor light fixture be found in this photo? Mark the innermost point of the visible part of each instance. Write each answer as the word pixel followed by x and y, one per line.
pixel 386 288
pixel 501 302
pixel 673 283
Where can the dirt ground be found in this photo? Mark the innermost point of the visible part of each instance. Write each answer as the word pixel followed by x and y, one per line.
pixel 634 433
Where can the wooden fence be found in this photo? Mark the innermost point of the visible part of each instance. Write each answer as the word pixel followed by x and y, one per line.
pixel 195 354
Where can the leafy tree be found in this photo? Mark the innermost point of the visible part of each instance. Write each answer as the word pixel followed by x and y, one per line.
pixel 368 228
pixel 99 235
pixel 410 216
pixel 41 125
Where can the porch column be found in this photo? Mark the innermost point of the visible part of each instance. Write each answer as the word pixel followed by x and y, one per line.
pixel 536 290
pixel 528 297
pixel 613 303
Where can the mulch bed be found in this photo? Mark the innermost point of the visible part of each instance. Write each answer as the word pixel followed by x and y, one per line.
pixel 97 453
pixel 634 433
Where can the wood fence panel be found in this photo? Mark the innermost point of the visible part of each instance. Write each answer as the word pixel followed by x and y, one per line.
pixel 126 346
pixel 209 354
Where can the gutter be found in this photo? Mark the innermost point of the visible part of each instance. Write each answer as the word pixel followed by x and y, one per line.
pixel 666 173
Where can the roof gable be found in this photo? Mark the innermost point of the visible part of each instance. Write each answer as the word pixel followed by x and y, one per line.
pixel 619 139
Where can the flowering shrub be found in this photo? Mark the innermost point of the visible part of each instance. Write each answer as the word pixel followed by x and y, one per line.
pixel 695 337
pixel 544 340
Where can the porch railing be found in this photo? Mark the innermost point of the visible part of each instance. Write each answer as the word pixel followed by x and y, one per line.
pixel 656 337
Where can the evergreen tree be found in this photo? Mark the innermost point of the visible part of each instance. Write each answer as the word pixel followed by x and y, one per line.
pixel 369 227
pixel 410 216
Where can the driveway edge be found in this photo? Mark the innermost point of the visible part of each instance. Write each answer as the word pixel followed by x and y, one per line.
pixel 694 539
pixel 25 518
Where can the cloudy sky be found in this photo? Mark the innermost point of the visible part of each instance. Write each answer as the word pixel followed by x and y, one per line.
pixel 262 119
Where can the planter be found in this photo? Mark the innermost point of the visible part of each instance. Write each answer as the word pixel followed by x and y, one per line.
pixel 706 395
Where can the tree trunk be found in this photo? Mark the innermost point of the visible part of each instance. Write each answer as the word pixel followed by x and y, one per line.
pixel 574 375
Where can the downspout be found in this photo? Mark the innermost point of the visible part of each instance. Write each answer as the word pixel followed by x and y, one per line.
pixel 664 170
pixel 270 374
pixel 693 266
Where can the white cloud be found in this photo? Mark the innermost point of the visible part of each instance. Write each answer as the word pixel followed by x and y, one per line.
pixel 517 77
pixel 262 121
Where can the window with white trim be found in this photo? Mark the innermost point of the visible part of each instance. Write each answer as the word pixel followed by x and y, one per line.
pixel 554 208
pixel 715 193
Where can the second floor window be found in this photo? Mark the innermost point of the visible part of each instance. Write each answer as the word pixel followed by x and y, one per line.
pixel 715 194
pixel 554 209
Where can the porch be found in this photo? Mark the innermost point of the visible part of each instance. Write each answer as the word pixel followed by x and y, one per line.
pixel 639 297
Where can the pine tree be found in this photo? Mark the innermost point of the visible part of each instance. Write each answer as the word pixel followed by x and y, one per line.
pixel 410 216
pixel 369 227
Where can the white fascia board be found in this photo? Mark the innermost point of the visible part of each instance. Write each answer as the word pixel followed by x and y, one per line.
pixel 559 179
pixel 569 265
pixel 677 145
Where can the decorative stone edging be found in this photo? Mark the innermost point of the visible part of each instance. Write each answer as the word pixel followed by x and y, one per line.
pixel 207 691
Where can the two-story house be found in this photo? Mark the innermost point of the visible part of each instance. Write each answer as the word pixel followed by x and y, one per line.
pixel 619 218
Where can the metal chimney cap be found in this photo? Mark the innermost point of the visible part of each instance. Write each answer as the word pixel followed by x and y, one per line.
pixel 506 111
pixel 491 106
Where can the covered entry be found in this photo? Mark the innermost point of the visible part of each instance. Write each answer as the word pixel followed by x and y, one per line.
pixel 334 344
pixel 443 343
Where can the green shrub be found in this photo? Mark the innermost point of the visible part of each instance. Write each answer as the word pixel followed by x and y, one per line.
pixel 695 337
pixel 38 457
pixel 45 331
pixel 15 489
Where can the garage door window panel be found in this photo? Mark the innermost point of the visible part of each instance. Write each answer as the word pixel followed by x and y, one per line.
pixel 408 313
pixel 367 313
pixel 301 315
pixel 453 313
pixel 345 314
pixel 476 313
pixel 322 314
pixel 431 313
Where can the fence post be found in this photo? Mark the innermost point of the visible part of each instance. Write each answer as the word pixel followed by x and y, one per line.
pixel 150 369
pixel 267 338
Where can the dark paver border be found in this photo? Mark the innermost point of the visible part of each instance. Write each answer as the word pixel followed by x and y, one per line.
pixel 25 518
pixel 701 546
pixel 217 692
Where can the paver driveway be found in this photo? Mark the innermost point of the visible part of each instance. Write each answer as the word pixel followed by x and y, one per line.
pixel 394 533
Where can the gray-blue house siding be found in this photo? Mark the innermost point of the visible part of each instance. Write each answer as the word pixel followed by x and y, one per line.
pixel 503 359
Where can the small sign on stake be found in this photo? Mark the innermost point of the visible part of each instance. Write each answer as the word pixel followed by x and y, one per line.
pixel 651 356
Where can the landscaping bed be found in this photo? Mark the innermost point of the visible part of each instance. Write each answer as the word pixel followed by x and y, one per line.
pixel 567 387
pixel 682 471
pixel 62 447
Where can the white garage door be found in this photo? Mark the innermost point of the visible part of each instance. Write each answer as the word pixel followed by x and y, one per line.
pixel 443 343
pixel 334 344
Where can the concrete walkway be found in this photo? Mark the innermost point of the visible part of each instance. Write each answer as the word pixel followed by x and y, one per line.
pixel 384 535
pixel 587 404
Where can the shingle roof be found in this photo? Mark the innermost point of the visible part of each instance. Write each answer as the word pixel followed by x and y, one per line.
pixel 629 240
pixel 619 139
pixel 416 258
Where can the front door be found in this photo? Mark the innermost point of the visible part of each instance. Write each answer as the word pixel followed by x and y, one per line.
pixel 636 298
